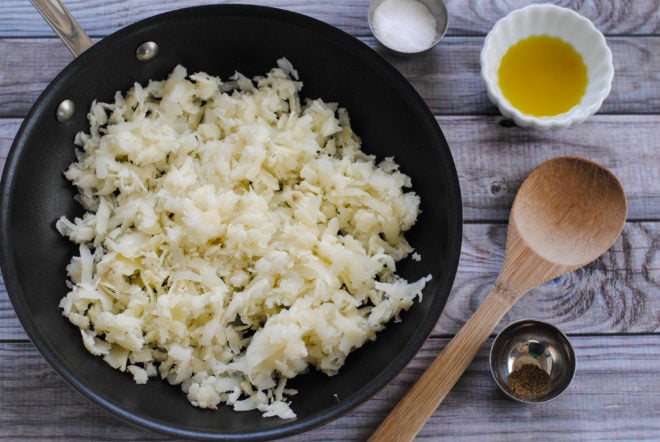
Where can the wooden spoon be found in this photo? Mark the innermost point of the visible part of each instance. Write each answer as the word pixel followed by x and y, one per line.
pixel 567 213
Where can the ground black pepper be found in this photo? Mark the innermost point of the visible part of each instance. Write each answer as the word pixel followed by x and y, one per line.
pixel 529 381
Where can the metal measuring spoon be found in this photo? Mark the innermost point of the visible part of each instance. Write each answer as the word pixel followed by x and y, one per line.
pixel 567 213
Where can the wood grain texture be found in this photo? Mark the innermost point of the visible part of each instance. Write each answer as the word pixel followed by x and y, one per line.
pixel 493 158
pixel 611 389
pixel 618 293
pixel 448 76
pixel 562 195
pixel 611 308
pixel 615 294
pixel 612 17
pixel 417 406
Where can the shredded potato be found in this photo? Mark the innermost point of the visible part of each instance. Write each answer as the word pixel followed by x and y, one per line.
pixel 234 236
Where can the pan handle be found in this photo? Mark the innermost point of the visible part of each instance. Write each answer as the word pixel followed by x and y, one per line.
pixel 63 23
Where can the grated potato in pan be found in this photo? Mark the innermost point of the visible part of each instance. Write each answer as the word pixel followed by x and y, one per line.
pixel 234 237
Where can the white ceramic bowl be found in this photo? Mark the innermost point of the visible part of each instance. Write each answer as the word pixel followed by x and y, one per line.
pixel 562 23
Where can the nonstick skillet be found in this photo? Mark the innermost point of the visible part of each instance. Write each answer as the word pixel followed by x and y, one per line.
pixel 387 113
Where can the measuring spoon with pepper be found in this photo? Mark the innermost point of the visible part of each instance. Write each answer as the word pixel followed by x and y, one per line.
pixel 567 213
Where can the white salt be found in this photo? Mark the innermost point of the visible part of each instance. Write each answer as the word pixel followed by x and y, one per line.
pixel 404 25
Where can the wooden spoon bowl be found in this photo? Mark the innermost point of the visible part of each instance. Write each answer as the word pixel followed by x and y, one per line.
pixel 567 213
pixel 544 215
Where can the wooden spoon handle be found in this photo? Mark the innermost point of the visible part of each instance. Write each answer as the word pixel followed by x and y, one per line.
pixel 411 413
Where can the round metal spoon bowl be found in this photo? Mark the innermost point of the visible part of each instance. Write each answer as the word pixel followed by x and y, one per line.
pixel 438 10
pixel 536 343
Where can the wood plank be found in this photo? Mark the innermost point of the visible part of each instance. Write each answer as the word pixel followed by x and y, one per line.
pixel 615 294
pixel 490 171
pixel 8 129
pixel 10 326
pixel 448 77
pixel 493 158
pixel 615 395
pixel 612 17
pixel 610 308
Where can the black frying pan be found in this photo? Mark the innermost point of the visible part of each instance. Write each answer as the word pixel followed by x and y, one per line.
pixel 386 112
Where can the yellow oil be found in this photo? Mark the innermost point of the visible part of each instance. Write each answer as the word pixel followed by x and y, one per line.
pixel 542 76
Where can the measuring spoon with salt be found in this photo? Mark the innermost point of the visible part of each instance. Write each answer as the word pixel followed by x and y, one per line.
pixel 567 213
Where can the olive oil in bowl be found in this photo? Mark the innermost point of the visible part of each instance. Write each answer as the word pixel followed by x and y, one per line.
pixel 542 76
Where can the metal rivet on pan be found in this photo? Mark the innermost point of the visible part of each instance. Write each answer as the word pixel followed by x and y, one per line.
pixel 146 51
pixel 65 111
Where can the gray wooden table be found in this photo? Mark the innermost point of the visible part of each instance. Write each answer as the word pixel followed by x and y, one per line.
pixel 610 309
